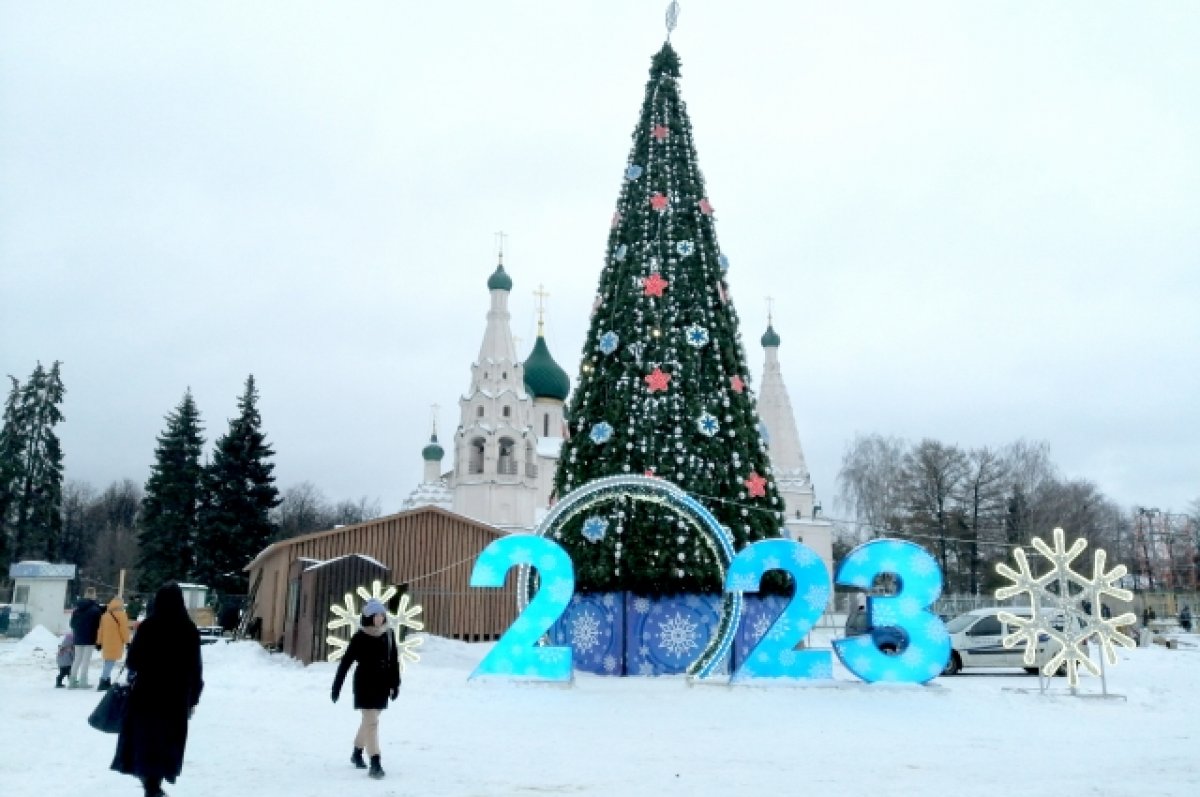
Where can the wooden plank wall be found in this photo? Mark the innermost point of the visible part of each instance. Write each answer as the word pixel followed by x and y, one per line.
pixel 429 550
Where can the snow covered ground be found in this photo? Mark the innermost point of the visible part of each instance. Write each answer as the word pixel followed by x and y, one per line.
pixel 266 727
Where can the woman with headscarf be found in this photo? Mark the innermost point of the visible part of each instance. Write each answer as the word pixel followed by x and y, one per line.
pixel 376 678
pixel 166 674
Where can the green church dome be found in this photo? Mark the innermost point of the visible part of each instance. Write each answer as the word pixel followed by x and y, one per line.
pixel 543 377
pixel 500 281
pixel 432 452
pixel 770 338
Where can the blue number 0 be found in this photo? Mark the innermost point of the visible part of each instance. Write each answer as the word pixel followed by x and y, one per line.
pixel 774 656
pixel 516 654
pixel 920 584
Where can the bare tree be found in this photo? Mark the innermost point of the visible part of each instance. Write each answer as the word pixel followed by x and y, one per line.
pixel 869 481
pixel 1029 467
pixel 983 498
pixel 302 508
pixel 932 476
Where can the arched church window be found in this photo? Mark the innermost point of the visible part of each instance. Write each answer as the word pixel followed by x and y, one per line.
pixel 507 412
pixel 530 461
pixel 507 464
pixel 475 456
pixel 504 374
pixel 546 425
pixel 479 412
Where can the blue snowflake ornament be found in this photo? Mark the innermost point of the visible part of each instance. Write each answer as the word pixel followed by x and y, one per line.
pixel 633 172
pixel 620 252
pixel 707 424
pixel 609 342
pixel 685 248
pixel 601 433
pixel 697 336
pixel 723 262
pixel 594 529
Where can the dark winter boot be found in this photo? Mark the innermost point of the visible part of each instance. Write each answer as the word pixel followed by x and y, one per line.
pixel 357 759
pixel 376 770
pixel 104 685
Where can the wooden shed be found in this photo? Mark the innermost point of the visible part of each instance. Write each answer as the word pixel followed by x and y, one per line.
pixel 427 551
pixel 315 586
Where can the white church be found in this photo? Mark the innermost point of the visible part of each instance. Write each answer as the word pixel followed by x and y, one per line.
pixel 511 427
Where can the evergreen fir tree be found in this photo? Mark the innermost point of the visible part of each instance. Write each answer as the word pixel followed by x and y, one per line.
pixel 663 383
pixel 12 457
pixel 33 467
pixel 170 507
pixel 235 521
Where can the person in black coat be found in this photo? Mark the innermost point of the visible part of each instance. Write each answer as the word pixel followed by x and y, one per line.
pixel 85 625
pixel 376 678
pixel 166 674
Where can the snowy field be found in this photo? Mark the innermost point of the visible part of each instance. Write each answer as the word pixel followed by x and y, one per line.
pixel 266 727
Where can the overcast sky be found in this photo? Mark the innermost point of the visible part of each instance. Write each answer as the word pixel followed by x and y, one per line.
pixel 980 221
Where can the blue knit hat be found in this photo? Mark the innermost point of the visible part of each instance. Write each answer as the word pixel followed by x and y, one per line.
pixel 373 607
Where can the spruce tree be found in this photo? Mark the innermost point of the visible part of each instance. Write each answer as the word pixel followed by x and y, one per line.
pixel 33 465
pixel 12 457
pixel 235 521
pixel 171 504
pixel 663 384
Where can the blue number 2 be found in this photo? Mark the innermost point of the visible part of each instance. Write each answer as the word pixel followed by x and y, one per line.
pixel 774 656
pixel 516 654
pixel 920 584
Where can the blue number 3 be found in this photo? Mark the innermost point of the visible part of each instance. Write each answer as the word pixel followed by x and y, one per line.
pixel 920 583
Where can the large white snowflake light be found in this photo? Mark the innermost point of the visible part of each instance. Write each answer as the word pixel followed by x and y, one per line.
pixel 1067 607
pixel 346 615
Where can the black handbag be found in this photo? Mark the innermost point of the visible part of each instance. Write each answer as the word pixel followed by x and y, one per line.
pixel 109 714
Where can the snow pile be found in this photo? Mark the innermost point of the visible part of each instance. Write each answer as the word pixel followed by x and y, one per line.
pixel 38 642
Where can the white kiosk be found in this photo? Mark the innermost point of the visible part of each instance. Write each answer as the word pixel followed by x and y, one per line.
pixel 39 596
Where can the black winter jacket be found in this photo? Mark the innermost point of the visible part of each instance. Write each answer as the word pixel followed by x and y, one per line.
pixel 378 671
pixel 85 621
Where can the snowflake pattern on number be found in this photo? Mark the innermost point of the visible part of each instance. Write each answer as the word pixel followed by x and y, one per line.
pixel 561 589
pixel 585 632
pixel 1064 606
pixel 677 634
pixel 742 581
pixel 780 629
pixel 803 555
pixel 762 624
pixel 816 598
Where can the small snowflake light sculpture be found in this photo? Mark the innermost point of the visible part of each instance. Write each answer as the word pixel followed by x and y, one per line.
pixel 346 615
pixel 1067 607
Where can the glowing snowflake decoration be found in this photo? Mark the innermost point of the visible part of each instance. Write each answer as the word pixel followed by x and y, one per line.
pixel 347 613
pixel 697 336
pixel 1059 613
pixel 678 635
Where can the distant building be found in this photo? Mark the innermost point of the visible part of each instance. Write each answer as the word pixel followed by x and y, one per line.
pixel 792 479
pixel 40 595
pixel 509 434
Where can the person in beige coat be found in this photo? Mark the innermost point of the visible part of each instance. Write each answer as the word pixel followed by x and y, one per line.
pixel 111 639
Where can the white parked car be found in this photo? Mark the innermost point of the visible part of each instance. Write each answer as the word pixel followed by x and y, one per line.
pixel 976 641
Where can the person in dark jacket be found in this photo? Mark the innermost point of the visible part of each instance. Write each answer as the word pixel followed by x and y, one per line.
pixel 376 678
pixel 165 670
pixel 85 624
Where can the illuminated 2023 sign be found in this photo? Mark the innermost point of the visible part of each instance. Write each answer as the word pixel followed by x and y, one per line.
pixel 915 572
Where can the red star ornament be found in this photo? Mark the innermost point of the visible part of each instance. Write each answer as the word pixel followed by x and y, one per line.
pixel 706 207
pixel 737 384
pixel 657 380
pixel 658 201
pixel 650 472
pixel 654 285
pixel 756 485
pixel 660 133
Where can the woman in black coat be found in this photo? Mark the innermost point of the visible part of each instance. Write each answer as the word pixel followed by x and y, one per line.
pixel 166 674
pixel 376 678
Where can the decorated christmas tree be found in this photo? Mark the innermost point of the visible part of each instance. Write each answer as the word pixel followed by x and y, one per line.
pixel 663 385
